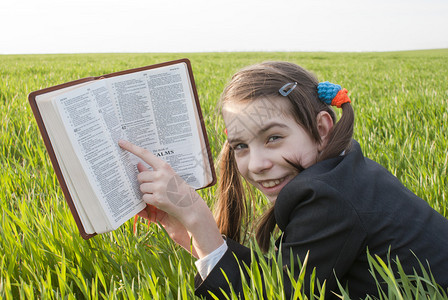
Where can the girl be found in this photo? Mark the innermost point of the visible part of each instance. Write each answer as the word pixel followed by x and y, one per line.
pixel 327 198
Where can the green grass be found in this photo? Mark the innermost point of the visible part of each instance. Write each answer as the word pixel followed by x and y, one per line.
pixel 401 105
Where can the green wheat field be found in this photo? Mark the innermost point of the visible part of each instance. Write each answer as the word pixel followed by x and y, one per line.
pixel 401 105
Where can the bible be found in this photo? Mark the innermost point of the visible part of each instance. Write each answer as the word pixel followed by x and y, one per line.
pixel 155 107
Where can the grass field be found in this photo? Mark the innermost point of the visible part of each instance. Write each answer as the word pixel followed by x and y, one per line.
pixel 401 106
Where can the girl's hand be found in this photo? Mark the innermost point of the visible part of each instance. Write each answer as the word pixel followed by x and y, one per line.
pixel 173 227
pixel 162 187
pixel 184 212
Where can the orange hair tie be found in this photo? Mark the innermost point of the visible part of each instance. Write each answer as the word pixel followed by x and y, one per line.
pixel 341 98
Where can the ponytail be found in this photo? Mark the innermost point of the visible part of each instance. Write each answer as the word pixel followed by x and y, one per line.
pixel 265 228
pixel 231 207
pixel 341 135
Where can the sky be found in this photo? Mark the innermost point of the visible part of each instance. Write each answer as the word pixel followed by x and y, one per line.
pixel 110 26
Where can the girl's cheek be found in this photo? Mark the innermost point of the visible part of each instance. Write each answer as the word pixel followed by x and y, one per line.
pixel 241 165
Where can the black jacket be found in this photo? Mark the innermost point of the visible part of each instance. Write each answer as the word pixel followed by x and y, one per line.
pixel 336 210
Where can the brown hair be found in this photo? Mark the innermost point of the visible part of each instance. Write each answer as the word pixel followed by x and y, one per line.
pixel 265 80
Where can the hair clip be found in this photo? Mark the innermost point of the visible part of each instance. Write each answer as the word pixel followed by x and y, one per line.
pixel 287 88
pixel 332 94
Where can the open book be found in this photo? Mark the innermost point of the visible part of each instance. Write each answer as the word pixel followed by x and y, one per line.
pixel 155 107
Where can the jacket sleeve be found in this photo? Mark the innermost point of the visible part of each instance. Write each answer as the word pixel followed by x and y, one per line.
pixel 317 219
pixel 235 256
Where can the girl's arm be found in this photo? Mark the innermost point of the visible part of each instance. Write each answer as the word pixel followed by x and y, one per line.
pixel 182 205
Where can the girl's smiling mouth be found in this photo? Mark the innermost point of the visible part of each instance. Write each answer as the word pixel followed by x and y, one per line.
pixel 271 183
pixel 272 187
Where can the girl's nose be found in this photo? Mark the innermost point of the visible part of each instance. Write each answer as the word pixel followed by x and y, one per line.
pixel 259 161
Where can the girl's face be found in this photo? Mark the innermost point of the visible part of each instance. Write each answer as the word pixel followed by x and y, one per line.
pixel 263 134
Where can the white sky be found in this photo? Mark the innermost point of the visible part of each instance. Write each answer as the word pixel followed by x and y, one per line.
pixel 72 26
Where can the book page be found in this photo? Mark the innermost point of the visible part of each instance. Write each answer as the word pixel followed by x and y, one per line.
pixel 78 184
pixel 88 116
pixel 158 112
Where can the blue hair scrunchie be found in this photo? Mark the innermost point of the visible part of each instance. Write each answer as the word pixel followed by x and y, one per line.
pixel 327 91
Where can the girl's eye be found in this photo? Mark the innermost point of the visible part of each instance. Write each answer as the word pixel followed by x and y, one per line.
pixel 273 138
pixel 240 146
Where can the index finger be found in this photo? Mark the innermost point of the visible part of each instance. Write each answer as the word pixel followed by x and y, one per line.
pixel 142 153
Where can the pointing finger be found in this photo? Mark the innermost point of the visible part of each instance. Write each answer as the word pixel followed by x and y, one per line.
pixel 142 153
